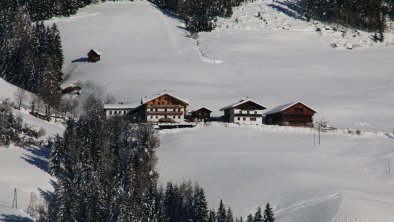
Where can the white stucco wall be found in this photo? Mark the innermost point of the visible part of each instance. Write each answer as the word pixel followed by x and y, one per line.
pixel 115 112
pixel 245 119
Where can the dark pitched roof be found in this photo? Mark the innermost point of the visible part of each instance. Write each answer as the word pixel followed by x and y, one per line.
pixel 240 103
pixel 283 107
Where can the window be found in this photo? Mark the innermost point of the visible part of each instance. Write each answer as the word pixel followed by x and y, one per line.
pixel 244 118
pixel 173 117
pixel 165 110
pixel 239 118
pixel 110 112
pixel 247 112
pixel 255 112
pixel 252 119
pixel 157 117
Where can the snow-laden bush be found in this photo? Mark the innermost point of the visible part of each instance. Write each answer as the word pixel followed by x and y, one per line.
pixel 12 130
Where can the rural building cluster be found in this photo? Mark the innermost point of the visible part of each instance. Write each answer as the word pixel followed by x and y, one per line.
pixel 165 108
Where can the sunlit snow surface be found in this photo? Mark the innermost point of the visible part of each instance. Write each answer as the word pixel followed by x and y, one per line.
pixel 145 51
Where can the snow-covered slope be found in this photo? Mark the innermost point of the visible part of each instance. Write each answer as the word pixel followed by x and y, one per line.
pixel 285 15
pixel 145 51
pixel 23 169
pixel 344 179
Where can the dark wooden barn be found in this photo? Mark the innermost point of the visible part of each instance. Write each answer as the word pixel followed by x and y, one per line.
pixel 292 114
pixel 94 55
pixel 202 114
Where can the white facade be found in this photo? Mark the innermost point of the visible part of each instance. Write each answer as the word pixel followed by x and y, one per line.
pixel 115 112
pixel 244 112
pixel 246 117
pixel 111 110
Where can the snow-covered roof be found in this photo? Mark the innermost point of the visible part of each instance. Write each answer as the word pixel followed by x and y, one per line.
pixel 284 107
pixel 120 106
pixel 96 51
pixel 145 100
pixel 242 101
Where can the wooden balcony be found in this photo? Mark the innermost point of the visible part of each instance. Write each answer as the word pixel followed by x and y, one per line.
pixel 163 113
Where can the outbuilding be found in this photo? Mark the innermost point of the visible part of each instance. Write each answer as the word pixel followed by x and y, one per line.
pixel 291 114
pixel 94 55
pixel 202 114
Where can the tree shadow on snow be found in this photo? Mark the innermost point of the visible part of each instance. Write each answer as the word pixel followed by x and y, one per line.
pixel 82 59
pixel 15 218
pixel 39 157
pixel 46 194
pixel 291 9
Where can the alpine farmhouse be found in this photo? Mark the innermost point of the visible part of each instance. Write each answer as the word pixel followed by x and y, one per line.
pixel 244 112
pixel 162 108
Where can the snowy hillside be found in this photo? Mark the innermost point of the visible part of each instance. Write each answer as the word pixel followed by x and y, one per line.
pixel 145 52
pixel 24 169
pixel 285 15
pixel 276 61
pixel 344 179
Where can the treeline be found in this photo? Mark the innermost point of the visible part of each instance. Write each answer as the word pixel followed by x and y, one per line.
pixel 199 15
pixel 31 55
pixel 105 171
pixel 39 10
pixel 369 15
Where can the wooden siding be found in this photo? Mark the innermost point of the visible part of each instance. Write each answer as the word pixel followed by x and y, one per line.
pixel 296 115
pixel 249 106
pixel 202 114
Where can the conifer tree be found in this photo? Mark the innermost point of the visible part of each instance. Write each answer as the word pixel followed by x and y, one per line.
pixel 200 208
pixel 57 151
pixel 268 214
pixel 249 218
pixel 229 215
pixel 258 217
pixel 212 216
pixel 221 214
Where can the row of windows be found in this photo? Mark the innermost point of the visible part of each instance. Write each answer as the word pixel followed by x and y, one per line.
pixel 117 112
pixel 246 118
pixel 247 112
pixel 157 117
pixel 165 110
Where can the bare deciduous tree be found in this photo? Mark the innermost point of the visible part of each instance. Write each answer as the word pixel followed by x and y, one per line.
pixel 20 97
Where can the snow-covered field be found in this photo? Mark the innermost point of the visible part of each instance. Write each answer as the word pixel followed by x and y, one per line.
pixel 145 52
pixel 344 179
pixel 283 60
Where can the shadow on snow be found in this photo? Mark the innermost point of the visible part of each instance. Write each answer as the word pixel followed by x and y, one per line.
pixel 39 157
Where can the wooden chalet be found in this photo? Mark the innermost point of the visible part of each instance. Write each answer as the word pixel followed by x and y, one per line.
pixel 244 112
pixel 292 114
pixel 111 110
pixel 202 114
pixel 162 108
pixel 94 55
